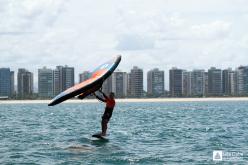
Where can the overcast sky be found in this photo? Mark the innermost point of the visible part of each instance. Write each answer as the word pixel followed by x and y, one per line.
pixel 159 33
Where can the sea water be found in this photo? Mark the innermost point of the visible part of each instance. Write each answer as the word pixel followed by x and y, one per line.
pixel 139 133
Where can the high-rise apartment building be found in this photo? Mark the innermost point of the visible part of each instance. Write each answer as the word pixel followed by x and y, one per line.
pixel 119 84
pixel 12 83
pixel 197 83
pixel 214 82
pixel 5 82
pixel 67 77
pixel 186 84
pixel 107 85
pixel 45 82
pixel 63 78
pixel 84 76
pixel 136 82
pixel 176 82
pixel 155 82
pixel 24 83
pixel 205 92
pixel 242 80
pixel 229 82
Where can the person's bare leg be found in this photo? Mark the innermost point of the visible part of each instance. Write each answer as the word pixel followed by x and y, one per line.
pixel 104 127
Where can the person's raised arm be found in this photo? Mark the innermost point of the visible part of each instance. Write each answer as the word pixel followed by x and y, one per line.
pixel 99 98
pixel 104 95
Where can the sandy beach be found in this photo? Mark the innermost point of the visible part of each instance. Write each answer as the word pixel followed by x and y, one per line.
pixel 131 100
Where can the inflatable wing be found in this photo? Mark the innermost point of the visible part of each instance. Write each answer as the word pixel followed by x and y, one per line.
pixel 83 89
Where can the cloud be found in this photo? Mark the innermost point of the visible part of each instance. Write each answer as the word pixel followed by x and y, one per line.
pixel 134 42
pixel 188 34
pixel 212 30
pixel 6 33
pixel 28 15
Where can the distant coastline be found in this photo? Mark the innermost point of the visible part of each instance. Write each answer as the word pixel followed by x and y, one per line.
pixel 130 100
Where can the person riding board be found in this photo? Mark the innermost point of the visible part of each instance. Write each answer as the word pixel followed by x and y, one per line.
pixel 110 104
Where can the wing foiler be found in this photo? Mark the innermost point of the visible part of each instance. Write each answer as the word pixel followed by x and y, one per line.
pixel 94 83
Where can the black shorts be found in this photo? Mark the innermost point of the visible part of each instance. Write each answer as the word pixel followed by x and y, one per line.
pixel 107 114
pixel 106 117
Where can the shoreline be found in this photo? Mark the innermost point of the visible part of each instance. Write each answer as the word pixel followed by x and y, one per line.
pixel 132 100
